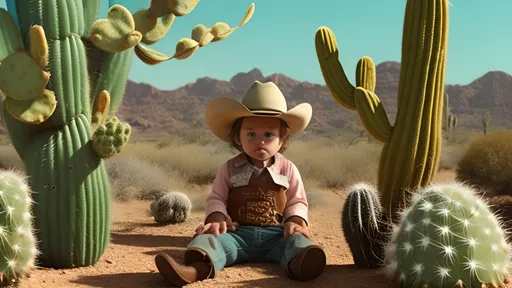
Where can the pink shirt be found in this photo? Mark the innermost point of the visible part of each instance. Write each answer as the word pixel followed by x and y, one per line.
pixel 297 203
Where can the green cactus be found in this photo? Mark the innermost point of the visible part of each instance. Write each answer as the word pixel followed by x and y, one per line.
pixel 448 236
pixel 486 121
pixel 18 247
pixel 74 68
pixel 449 120
pixel 411 152
pixel 364 230
pixel 171 208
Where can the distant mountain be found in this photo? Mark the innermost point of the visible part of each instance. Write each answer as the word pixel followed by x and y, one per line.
pixel 151 109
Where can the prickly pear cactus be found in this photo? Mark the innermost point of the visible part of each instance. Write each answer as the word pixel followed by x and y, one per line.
pixel 64 79
pixel 18 249
pixel 448 236
pixel 411 152
pixel 171 208
pixel 363 227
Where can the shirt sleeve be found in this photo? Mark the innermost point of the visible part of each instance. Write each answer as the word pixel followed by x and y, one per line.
pixel 218 197
pixel 297 202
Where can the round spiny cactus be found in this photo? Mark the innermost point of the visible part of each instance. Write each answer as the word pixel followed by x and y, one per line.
pixel 172 208
pixel 447 236
pixel 363 227
pixel 111 137
pixel 18 248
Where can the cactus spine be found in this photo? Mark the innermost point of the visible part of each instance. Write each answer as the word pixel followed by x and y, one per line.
pixel 448 236
pixel 449 120
pixel 362 226
pixel 411 152
pixel 18 249
pixel 61 121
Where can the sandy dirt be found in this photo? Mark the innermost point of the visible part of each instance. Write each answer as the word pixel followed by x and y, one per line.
pixel 136 239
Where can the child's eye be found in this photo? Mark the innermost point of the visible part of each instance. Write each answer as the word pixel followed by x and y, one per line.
pixel 268 134
pixel 251 134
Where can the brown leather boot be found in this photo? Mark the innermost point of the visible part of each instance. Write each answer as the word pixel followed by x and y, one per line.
pixel 180 275
pixel 308 265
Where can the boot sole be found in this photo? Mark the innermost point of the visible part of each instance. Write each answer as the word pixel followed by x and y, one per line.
pixel 313 262
pixel 168 269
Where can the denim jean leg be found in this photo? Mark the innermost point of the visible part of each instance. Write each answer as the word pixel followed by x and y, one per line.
pixel 224 250
pixel 286 249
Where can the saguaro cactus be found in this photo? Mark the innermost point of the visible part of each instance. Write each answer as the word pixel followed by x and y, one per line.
pixel 449 120
pixel 411 152
pixel 63 73
pixel 486 120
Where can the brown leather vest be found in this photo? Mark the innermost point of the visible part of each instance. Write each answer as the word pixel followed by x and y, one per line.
pixel 259 202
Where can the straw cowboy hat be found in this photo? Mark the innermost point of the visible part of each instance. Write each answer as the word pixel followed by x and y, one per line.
pixel 260 100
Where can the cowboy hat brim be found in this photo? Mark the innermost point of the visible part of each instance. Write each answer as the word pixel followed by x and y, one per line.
pixel 222 112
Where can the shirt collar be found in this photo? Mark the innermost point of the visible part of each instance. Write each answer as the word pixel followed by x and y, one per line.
pixel 241 159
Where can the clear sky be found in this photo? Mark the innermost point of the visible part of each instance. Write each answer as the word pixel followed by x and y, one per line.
pixel 280 38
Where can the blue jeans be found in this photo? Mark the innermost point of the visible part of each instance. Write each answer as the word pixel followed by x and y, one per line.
pixel 250 244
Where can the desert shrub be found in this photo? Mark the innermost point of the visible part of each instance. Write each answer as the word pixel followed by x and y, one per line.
pixel 487 163
pixel 336 166
pixel 451 153
pixel 193 163
pixel 132 178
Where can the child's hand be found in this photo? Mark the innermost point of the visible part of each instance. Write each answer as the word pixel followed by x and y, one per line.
pixel 295 225
pixel 217 224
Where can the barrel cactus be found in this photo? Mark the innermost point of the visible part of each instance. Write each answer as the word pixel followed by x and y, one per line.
pixel 18 249
pixel 448 236
pixel 73 70
pixel 363 228
pixel 411 152
pixel 171 208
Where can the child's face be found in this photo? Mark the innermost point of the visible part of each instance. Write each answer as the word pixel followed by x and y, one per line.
pixel 260 137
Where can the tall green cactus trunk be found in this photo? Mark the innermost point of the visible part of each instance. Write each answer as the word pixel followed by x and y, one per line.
pixel 412 146
pixel 72 211
pixel 64 73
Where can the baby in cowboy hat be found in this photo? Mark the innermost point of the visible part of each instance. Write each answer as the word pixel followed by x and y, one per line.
pixel 257 210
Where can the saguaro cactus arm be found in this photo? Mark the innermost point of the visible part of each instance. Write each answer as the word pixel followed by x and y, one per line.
pixel 361 97
pixel 372 114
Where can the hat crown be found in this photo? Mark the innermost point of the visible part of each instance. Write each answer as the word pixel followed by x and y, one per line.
pixel 264 97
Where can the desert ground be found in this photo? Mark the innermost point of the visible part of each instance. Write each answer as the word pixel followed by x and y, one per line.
pixel 129 262
pixel 148 167
pixel 136 239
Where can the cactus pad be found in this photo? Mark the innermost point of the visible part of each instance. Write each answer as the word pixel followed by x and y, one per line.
pixel 38 46
pixel 159 8
pixel 18 244
pixel 181 7
pixel 101 108
pixel 33 111
pixel 448 235
pixel 171 208
pixel 144 21
pixel 117 32
pixel 163 24
pixel 10 37
pixel 198 33
pixel 109 138
pixel 19 68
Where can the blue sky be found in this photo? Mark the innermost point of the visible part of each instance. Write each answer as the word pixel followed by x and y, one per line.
pixel 280 38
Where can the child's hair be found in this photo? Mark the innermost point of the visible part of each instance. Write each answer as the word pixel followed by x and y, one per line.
pixel 234 135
